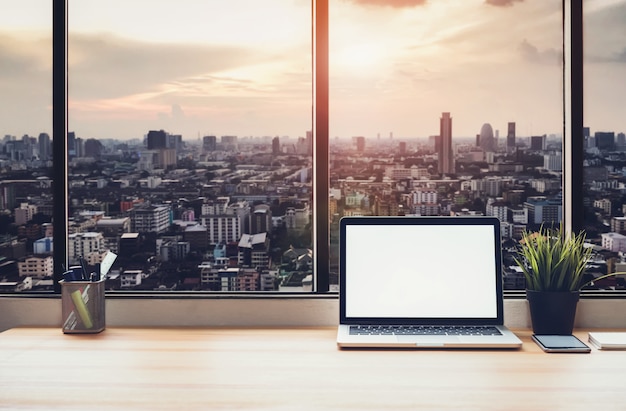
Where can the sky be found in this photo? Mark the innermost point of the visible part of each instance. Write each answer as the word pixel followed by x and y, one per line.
pixel 243 67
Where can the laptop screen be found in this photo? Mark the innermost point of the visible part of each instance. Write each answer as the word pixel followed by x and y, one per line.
pixel 431 268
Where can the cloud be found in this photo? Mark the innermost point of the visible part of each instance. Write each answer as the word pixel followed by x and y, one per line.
pixel 604 32
pixel 25 84
pixel 390 3
pixel 176 113
pixel 106 66
pixel 502 3
pixel 182 88
pixel 532 54
pixel 23 58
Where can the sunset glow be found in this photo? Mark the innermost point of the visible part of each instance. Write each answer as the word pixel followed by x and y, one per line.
pixel 235 68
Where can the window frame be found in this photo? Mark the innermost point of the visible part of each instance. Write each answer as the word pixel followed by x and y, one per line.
pixel 573 138
pixel 59 139
pixel 319 114
pixel 572 154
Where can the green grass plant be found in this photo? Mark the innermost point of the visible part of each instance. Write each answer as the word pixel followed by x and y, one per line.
pixel 554 260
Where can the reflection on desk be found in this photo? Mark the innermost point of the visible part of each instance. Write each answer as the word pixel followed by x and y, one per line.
pixel 187 369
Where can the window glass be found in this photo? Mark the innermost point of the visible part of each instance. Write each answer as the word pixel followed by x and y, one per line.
pixel 190 143
pixel 26 146
pixel 604 168
pixel 447 108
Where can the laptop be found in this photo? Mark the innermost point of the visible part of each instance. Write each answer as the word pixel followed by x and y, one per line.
pixel 422 282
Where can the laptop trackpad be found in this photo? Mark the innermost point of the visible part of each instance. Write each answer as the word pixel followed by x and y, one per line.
pixel 432 340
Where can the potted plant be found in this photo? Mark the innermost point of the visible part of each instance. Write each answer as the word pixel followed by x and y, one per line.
pixel 553 262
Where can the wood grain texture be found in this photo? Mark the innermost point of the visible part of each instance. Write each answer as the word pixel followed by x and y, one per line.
pixel 291 369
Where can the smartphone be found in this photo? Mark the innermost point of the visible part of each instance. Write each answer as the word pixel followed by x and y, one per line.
pixel 560 343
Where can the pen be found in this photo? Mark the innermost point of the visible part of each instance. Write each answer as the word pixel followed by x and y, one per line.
pixel 84 275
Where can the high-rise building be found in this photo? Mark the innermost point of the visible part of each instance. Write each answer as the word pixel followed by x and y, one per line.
pixel 157 139
pixel 360 144
pixel 444 152
pixel 44 245
pixel 275 146
pixel 309 141
pixel 93 148
pixel 538 143
pixel 618 224
pixel 24 213
pixel 79 147
pixel 621 141
pixel 86 245
pixel 71 144
pixel 222 228
pixel 175 141
pixel 209 143
pixel 487 141
pixel 7 196
pixel 510 137
pixel 253 250
pixel 36 266
pixel 229 143
pixel 129 245
pixel 261 219
pixel 605 140
pixel 553 161
pixel 150 219
pixel 542 210
pixel 402 147
pixel 587 137
pixel 45 147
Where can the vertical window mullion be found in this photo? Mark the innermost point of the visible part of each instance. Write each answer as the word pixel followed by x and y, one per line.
pixel 577 116
pixel 321 216
pixel 59 133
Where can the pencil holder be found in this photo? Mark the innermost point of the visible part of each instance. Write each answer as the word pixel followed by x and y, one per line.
pixel 82 306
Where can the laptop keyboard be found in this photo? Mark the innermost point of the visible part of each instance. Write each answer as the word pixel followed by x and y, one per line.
pixel 423 330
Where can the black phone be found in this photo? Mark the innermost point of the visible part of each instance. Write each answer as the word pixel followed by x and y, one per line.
pixel 560 343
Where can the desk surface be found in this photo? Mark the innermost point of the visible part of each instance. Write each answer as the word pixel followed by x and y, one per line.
pixel 188 369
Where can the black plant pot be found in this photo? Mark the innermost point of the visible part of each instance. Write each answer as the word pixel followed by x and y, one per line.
pixel 552 312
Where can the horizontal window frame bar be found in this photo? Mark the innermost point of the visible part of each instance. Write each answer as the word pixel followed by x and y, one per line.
pixel 265 295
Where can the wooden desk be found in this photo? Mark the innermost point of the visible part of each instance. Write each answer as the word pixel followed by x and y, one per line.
pixel 289 369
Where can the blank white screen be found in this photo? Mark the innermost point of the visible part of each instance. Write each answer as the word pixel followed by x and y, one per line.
pixel 420 271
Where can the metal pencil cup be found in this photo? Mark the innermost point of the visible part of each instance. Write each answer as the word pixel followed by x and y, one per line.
pixel 82 306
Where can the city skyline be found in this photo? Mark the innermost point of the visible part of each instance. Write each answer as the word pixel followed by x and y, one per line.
pixel 395 67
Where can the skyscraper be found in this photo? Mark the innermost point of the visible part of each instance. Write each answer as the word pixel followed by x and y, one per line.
pixel 209 143
pixel 71 144
pixel 402 147
pixel 605 140
pixel 276 145
pixel 487 141
pixel 45 147
pixel 444 152
pixel 156 139
pixel 510 137
pixel 538 143
pixel 360 144
pixel 93 148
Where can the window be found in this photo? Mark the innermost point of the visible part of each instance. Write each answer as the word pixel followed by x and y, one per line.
pixel 604 141
pixel 190 143
pixel 181 161
pixel 26 147
pixel 447 108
